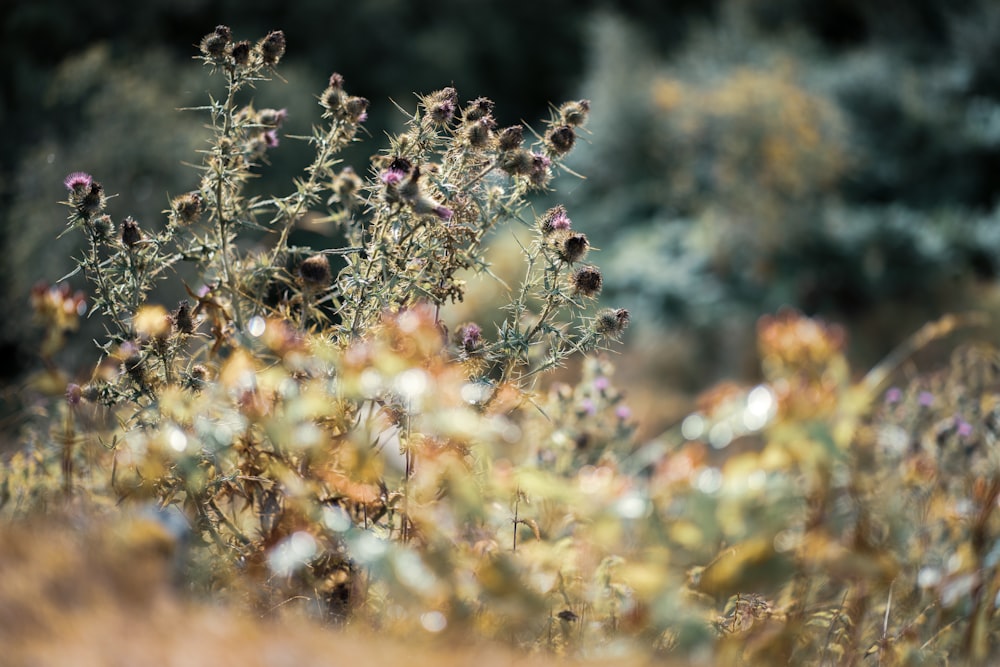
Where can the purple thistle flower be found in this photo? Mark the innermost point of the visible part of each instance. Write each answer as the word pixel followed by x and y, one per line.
pixel 78 181
pixel 925 398
pixel 471 336
pixel 271 138
pixel 962 427
pixel 588 407
pixel 893 395
pixel 623 412
pixel 443 212
pixel 392 176
pixel 601 383
pixel 560 221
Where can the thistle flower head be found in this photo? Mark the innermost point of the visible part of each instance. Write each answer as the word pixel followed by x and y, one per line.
pixel 78 182
pixel 555 219
pixel 611 322
pixel 85 194
pixel 477 109
pixel 186 209
pixel 441 105
pixel 569 246
pixel 511 137
pixel 575 113
pixel 587 281
pixel 242 53
pixel 469 336
pixel 131 235
pixel 213 45
pixel 560 139
pixel 314 272
pixel 272 47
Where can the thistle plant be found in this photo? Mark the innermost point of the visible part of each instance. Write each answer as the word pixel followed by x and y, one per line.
pixel 328 434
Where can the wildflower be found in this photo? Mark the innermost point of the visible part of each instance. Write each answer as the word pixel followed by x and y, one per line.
pixel 925 399
pixel 602 383
pixel 314 272
pixel 587 407
pixel 587 281
pixel 469 336
pixel 272 47
pixel 441 105
pixel 560 139
pixel 575 113
pixel 610 323
pixel 962 427
pixel 85 194
pixel 569 247
pixel 511 138
pixel 623 412
pixel 271 138
pixel 553 219
pixel 74 394
pixel 131 235
pixel 893 395
pixel 186 208
pixel 79 182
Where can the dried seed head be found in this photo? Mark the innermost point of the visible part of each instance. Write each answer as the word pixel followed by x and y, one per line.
pixel 560 139
pixel 479 132
pixel 477 109
pixel 517 162
pixel 103 227
pixel 441 105
pixel 540 173
pixel 186 208
pixel 182 320
pixel 587 281
pixel 575 113
pixel 241 53
pixel 314 272
pixel 570 247
pixel 272 47
pixel 213 45
pixel 356 109
pixel 511 137
pixel 610 323
pixel 130 232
